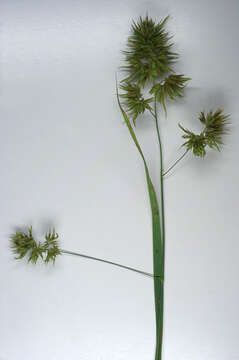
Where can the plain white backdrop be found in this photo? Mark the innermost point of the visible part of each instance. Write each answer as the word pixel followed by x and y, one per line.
pixel 67 161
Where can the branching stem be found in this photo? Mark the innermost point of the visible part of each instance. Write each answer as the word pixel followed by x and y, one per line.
pixel 111 263
pixel 176 162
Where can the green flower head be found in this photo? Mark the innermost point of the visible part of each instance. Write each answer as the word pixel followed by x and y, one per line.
pixel 23 244
pixel 215 126
pixel 170 88
pixel 148 55
pixel 133 100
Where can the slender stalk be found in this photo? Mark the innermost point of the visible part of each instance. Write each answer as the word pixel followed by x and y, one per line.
pixel 158 246
pixel 158 283
pixel 161 167
pixel 108 262
pixel 176 162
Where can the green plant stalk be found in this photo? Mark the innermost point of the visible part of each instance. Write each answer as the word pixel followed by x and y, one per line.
pixel 107 262
pixel 159 283
pixel 175 163
pixel 158 243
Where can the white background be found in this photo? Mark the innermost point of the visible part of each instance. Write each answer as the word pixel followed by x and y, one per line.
pixel 67 161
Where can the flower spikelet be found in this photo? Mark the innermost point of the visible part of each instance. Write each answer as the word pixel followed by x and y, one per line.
pixel 148 53
pixel 23 244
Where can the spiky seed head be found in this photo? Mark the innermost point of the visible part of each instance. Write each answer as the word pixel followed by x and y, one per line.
pixel 24 244
pixel 215 126
pixel 170 88
pixel 148 55
pixel 133 100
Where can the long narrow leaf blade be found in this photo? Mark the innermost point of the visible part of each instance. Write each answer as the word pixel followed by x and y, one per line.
pixel 158 245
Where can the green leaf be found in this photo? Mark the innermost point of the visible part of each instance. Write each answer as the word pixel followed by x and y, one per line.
pixel 158 240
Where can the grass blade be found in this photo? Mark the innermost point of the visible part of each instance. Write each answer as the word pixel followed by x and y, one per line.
pixel 158 243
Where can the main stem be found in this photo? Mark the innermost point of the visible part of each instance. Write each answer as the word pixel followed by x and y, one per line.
pixel 158 283
pixel 158 242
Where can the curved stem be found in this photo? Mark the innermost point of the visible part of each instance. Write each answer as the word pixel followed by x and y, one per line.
pixel 109 262
pixel 176 162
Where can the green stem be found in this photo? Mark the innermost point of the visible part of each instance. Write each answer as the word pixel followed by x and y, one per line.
pixel 176 162
pixel 108 262
pixel 158 284
pixel 158 246
pixel 161 168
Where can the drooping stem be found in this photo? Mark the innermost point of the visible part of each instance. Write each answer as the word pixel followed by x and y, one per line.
pixel 107 262
pixel 175 163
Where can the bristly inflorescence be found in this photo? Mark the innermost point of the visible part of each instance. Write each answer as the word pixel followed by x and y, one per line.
pixel 215 126
pixel 24 244
pixel 133 100
pixel 170 88
pixel 149 59
pixel 148 53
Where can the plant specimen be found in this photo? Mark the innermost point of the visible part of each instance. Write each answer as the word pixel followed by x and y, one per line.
pixel 23 244
pixel 150 83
